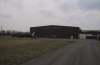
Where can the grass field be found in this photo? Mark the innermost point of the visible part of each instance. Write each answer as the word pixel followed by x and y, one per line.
pixel 14 51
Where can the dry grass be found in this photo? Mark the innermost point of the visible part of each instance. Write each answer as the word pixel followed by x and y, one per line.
pixel 14 51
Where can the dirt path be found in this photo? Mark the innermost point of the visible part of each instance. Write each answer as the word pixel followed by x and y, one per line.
pixel 83 52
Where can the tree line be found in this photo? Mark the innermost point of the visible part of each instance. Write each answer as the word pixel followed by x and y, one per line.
pixel 11 32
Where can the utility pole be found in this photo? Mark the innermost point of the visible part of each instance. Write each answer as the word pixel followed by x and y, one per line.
pixel 1 28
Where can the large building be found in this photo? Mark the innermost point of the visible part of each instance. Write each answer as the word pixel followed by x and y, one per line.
pixel 56 31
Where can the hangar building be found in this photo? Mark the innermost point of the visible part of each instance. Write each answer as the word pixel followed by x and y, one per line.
pixel 56 31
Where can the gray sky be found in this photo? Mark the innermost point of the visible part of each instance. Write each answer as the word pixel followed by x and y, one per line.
pixel 20 15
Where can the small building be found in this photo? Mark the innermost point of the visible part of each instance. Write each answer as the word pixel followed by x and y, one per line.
pixel 90 34
pixel 56 31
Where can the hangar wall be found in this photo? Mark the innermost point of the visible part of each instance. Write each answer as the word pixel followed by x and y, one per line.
pixel 55 30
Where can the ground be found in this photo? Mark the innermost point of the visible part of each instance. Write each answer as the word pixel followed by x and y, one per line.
pixel 14 51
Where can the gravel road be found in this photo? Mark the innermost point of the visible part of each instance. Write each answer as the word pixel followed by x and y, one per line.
pixel 83 52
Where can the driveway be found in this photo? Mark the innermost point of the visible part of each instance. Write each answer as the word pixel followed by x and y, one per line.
pixel 83 52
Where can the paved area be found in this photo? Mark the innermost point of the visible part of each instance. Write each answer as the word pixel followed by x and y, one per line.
pixel 83 52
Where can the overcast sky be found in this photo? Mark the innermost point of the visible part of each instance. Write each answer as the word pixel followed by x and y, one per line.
pixel 20 15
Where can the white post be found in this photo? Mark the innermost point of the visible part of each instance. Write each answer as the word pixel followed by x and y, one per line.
pixel 33 34
pixel 71 37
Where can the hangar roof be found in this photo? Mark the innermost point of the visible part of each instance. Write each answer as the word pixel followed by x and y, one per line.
pixel 56 26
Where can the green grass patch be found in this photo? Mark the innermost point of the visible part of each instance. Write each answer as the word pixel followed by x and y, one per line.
pixel 14 51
